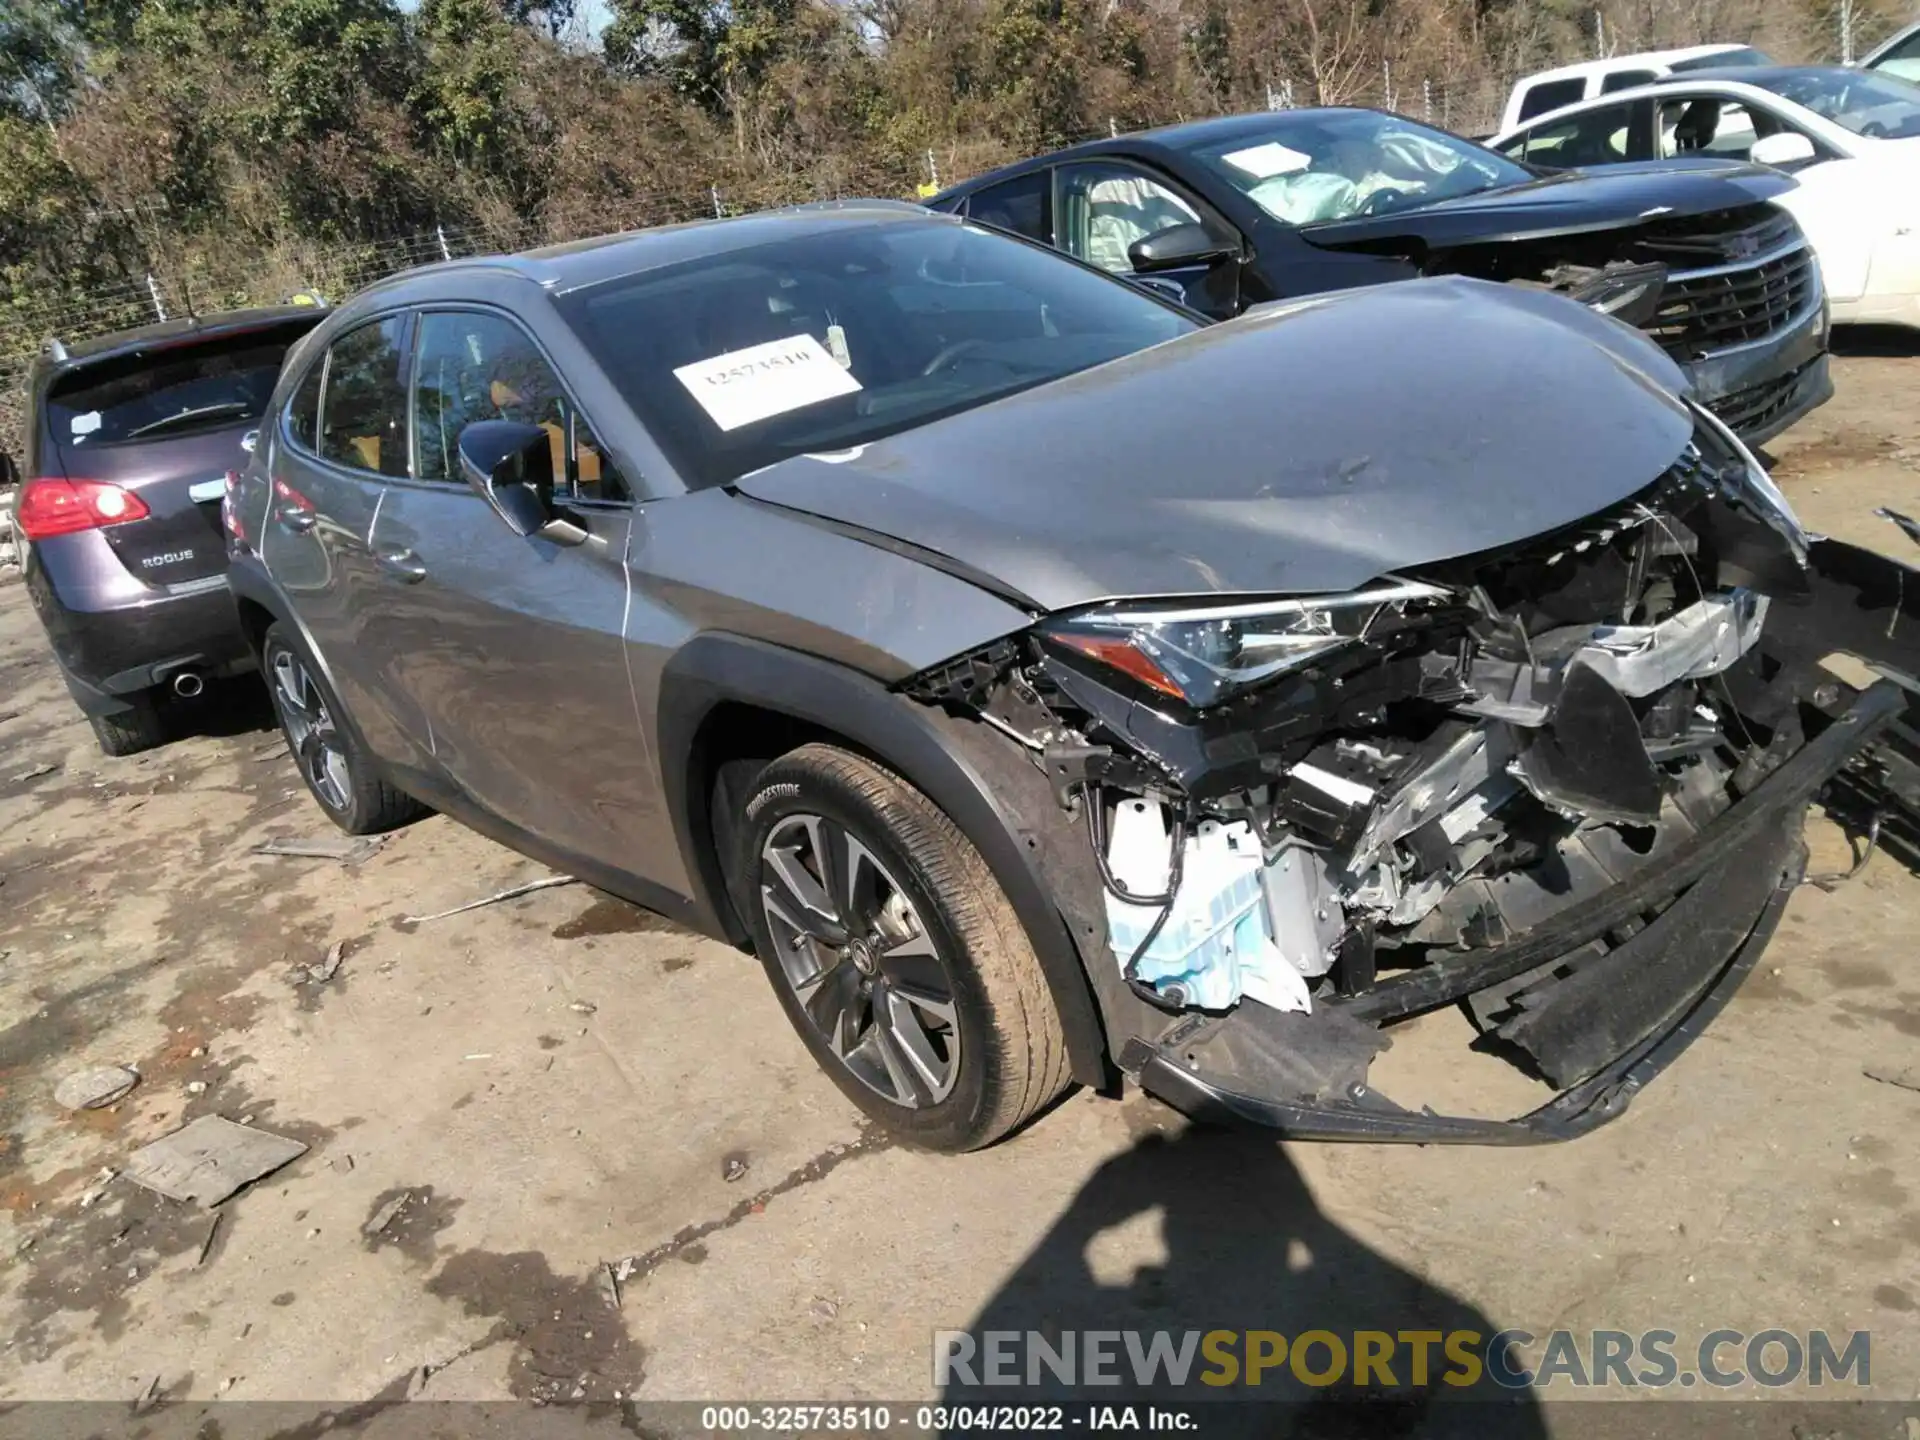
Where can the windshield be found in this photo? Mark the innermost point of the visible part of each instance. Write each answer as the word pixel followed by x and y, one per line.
pixel 1865 102
pixel 1333 164
pixel 176 390
pixel 833 340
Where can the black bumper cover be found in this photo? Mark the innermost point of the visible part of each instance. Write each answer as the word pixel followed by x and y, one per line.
pixel 108 655
pixel 1732 883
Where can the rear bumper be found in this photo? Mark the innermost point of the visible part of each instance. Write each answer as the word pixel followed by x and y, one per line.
pixel 109 654
pixel 1624 1018
pixel 1761 388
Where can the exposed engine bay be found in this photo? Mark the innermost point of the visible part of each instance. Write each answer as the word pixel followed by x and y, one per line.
pixel 1491 781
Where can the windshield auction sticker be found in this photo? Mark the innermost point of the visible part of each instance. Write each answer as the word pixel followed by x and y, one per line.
pixel 1263 162
pixel 743 386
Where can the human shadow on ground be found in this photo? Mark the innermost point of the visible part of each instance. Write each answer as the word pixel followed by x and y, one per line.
pixel 1246 1249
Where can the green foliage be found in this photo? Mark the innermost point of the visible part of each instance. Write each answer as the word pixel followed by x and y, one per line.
pixel 198 137
pixel 40 59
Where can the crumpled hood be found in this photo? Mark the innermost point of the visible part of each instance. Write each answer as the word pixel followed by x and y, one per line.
pixel 1304 449
pixel 1571 202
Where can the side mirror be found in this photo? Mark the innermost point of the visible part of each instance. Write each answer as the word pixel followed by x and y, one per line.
pixel 1788 147
pixel 510 466
pixel 1177 246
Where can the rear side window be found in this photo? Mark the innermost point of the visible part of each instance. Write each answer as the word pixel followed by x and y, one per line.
pixel 1023 205
pixel 1551 95
pixel 303 411
pixel 363 420
pixel 1626 80
pixel 1601 136
pixel 178 388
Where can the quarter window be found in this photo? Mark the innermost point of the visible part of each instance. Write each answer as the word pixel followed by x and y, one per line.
pixel 1626 80
pixel 363 422
pixel 1023 205
pixel 1601 136
pixel 303 411
pixel 473 367
pixel 1551 95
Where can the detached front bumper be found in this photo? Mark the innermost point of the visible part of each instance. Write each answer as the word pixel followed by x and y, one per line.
pixel 1640 1005
pixel 1622 981
pixel 1684 932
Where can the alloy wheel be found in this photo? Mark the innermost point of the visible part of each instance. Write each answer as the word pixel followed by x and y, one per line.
pixel 317 743
pixel 860 960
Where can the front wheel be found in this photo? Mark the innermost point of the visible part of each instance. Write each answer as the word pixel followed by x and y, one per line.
pixel 338 771
pixel 894 951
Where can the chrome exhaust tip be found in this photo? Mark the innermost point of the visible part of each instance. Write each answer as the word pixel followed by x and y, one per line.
pixel 188 684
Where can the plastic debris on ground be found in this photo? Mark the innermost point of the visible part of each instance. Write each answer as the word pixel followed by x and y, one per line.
pixel 209 1160
pixel 93 1089
pixel 347 849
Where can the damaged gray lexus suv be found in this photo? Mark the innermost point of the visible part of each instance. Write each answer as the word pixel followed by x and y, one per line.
pixel 1049 687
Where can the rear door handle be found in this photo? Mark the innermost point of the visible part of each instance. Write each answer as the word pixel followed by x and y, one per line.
pixel 402 564
pixel 296 518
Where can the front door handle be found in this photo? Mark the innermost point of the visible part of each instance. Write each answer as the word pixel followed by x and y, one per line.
pixel 402 564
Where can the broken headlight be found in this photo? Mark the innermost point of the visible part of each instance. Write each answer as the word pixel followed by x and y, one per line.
pixel 1630 294
pixel 1207 653
pixel 1756 486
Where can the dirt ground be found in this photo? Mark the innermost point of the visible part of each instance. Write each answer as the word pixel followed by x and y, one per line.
pixel 561 1083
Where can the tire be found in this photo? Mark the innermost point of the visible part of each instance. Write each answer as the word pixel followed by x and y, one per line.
pixel 128 732
pixel 339 773
pixel 921 996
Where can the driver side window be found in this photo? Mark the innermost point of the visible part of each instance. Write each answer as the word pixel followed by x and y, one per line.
pixel 1707 125
pixel 471 366
pixel 1106 207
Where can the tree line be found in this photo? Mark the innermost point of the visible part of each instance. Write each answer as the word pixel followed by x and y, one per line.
pixel 135 128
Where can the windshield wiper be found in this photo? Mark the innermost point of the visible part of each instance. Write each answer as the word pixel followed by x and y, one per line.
pixel 187 417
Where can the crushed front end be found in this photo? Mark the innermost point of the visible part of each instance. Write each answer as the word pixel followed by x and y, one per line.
pixel 1560 785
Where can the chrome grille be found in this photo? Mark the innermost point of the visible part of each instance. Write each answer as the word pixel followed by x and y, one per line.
pixel 1702 311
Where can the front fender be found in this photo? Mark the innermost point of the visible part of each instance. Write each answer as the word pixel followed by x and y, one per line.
pixel 713 669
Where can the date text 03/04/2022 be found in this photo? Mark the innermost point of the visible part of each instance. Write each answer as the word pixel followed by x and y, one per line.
pixel 941 1419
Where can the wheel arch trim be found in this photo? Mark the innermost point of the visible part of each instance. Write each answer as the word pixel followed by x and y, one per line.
pixel 253 586
pixel 715 669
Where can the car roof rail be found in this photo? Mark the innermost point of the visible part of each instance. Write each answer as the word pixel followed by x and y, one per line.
pixel 54 350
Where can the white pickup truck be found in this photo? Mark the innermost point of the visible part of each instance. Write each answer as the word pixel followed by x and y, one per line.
pixel 1570 84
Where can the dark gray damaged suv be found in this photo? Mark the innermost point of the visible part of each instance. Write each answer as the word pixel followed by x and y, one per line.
pixel 1051 688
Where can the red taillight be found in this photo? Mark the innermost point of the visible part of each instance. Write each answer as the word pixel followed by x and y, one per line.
pixel 62 507
pixel 290 498
pixel 229 512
